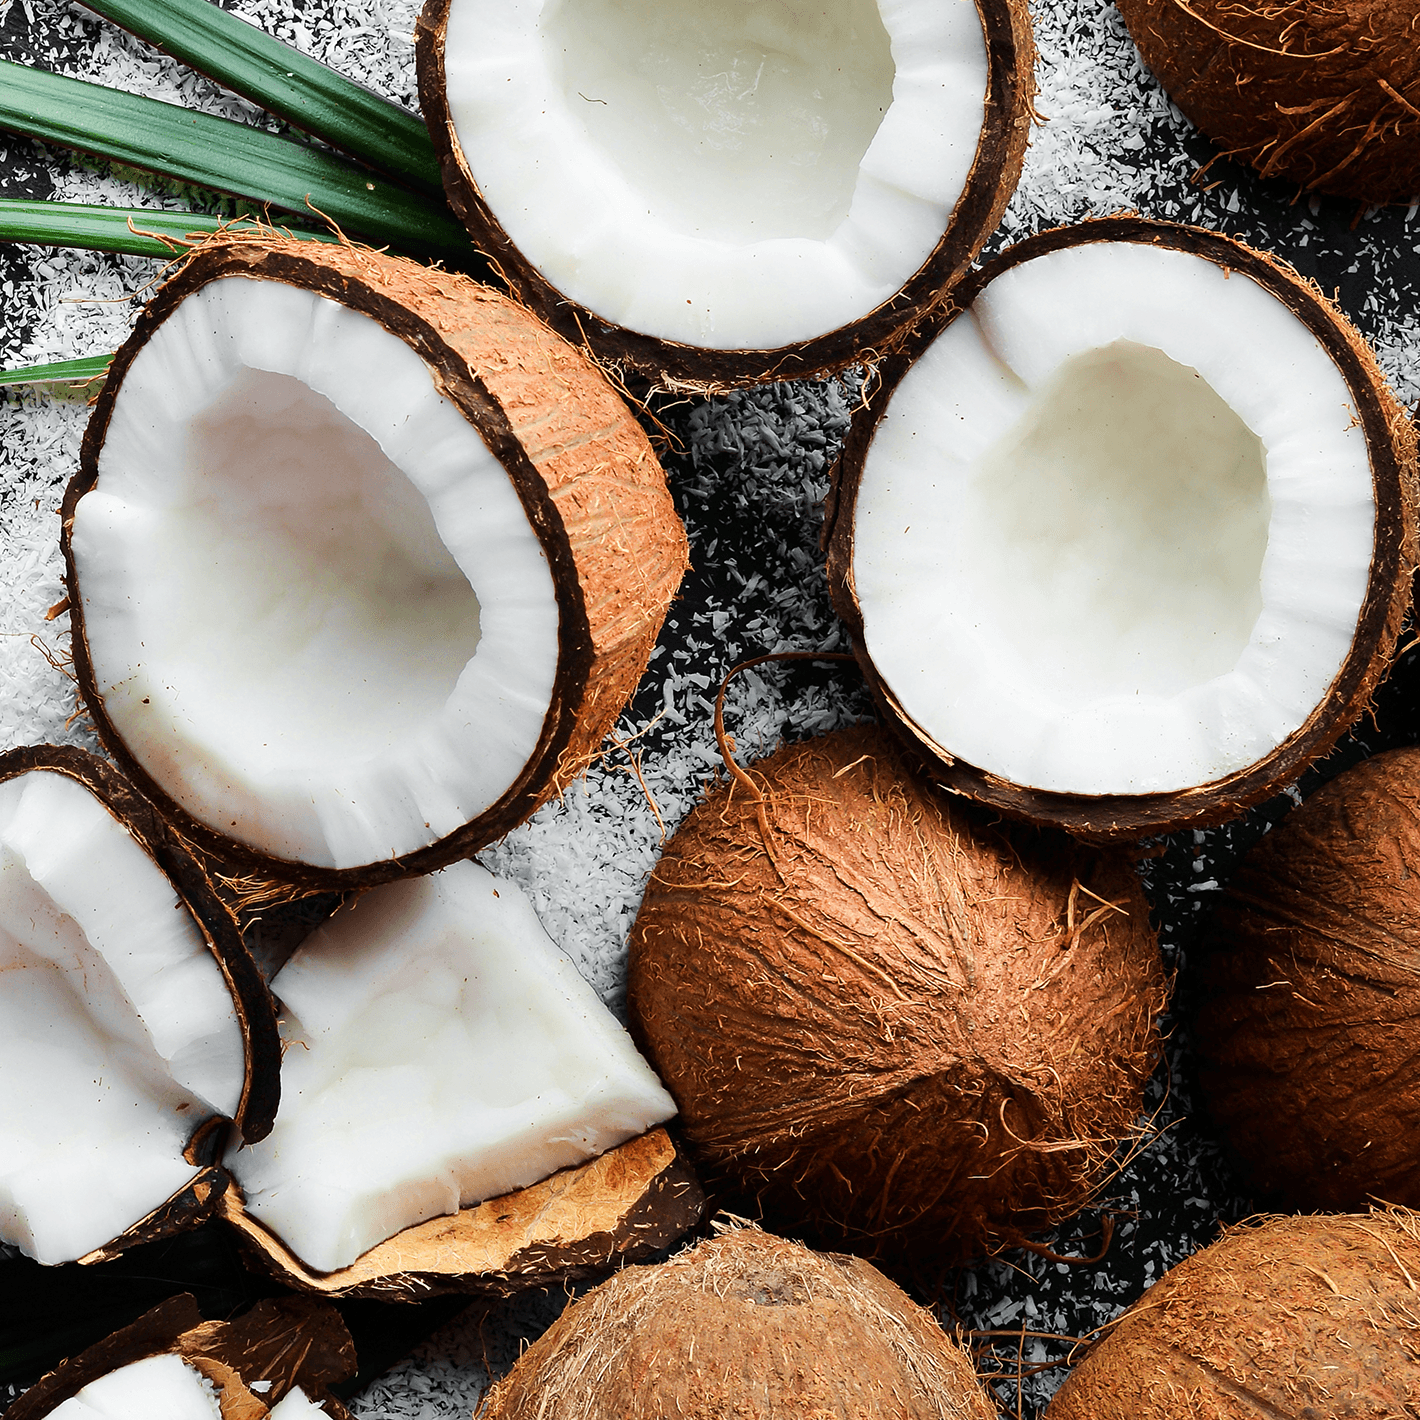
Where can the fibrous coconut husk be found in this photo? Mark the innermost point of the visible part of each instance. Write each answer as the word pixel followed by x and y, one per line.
pixel 888 1017
pixel 745 1325
pixel 1311 1031
pixel 1324 95
pixel 584 471
pixel 1311 1316
pixel 580 1223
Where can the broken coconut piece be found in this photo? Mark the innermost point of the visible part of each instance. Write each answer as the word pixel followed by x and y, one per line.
pixel 132 1023
pixel 721 193
pixel 439 1051
pixel 363 562
pixel 1127 544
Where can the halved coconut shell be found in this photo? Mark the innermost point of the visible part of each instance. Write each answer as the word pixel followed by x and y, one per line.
pixel 1125 539
pixel 363 562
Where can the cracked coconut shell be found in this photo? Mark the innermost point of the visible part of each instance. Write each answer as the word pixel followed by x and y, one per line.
pixel 745 1325
pixel 1310 1036
pixel 887 1016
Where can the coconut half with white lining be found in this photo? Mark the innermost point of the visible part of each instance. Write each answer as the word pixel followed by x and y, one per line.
pixel 1126 541
pixel 363 561
pixel 726 192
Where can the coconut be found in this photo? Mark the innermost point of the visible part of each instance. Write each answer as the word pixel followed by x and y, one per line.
pixel 1281 1316
pixel 1309 1032
pixel 1324 96
pixel 890 1018
pixel 363 562
pixel 716 194
pixel 134 1029
pixel 1128 544
pixel 746 1325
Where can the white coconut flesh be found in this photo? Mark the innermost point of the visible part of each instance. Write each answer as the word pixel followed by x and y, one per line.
pixel 318 614
pixel 440 1051
pixel 164 1387
pixel 118 1036
pixel 726 173
pixel 1114 530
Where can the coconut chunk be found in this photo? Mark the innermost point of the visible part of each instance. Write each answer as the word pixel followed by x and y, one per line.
pixel 156 1388
pixel 440 1051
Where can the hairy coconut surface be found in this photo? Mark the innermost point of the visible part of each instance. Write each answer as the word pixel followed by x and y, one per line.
pixel 886 1016
pixel 1325 95
pixel 1309 1027
pixel 1308 1316
pixel 747 1325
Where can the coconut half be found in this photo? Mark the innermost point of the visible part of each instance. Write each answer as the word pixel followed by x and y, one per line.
pixel 1126 542
pixel 132 1023
pixel 742 190
pixel 363 561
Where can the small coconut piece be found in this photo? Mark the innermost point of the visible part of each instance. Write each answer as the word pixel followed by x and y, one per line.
pixel 1324 96
pixel 884 1014
pixel 1310 1316
pixel 133 1025
pixel 747 1325
pixel 363 562
pixel 1125 543
pixel 1310 1034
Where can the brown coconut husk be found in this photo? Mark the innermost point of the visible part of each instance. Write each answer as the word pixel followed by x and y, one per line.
pixel 892 1019
pixel 1326 96
pixel 1281 1317
pixel 587 477
pixel 580 1223
pixel 745 1325
pixel 669 364
pixel 1391 438
pixel 1310 1036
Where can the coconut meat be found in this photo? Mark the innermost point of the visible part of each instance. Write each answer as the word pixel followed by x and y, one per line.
pixel 318 614
pixel 1114 531
pixel 164 1387
pixel 440 1050
pixel 735 174
pixel 118 1036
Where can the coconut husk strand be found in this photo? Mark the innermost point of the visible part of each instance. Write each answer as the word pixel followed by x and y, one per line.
pixel 887 1017
pixel 1327 97
pixel 580 494
pixel 1302 1316
pixel 1308 1033
pixel 1021 629
pixel 619 1208
pixel 748 1325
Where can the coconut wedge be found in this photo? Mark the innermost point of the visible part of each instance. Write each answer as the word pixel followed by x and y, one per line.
pixel 133 1026
pixel 1126 541
pixel 363 562
pixel 716 194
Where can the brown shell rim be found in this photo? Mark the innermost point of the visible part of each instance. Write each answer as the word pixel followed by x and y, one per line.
pixel 995 170
pixel 1390 443
pixel 471 396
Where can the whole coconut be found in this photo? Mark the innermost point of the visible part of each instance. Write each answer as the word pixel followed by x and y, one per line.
pixel 746 1326
pixel 1296 1317
pixel 1311 1035
pixel 892 1018
pixel 1322 94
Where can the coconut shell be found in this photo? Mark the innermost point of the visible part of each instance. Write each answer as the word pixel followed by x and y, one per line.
pixel 1310 1035
pixel 1000 152
pixel 1391 439
pixel 588 480
pixel 581 1222
pixel 890 1018
pixel 1295 1317
pixel 745 1325
pixel 1325 96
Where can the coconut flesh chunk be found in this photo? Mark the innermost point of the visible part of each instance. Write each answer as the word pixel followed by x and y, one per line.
pixel 317 612
pixel 164 1387
pixel 118 1035
pixel 440 1051
pixel 731 174
pixel 1114 532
